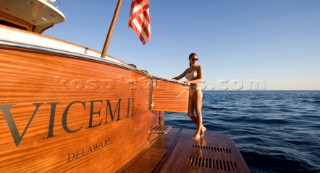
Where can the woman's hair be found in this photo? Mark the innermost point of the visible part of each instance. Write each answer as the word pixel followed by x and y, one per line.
pixel 190 56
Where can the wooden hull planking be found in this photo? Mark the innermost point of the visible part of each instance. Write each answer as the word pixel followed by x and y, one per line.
pixel 65 113
pixel 167 96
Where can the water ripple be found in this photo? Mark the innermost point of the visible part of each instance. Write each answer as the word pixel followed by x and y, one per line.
pixel 276 131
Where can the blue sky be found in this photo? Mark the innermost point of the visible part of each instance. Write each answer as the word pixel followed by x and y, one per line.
pixel 276 41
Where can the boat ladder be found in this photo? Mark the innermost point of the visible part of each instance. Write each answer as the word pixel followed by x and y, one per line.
pixel 158 130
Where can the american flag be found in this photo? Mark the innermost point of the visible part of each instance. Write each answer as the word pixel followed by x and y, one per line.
pixel 139 19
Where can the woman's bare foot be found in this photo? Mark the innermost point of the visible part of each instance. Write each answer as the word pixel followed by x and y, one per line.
pixel 196 137
pixel 203 129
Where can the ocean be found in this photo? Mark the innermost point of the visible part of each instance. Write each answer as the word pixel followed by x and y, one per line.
pixel 275 131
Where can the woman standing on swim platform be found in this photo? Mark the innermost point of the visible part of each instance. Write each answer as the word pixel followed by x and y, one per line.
pixel 194 78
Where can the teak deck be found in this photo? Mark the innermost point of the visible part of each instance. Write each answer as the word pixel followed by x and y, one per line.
pixel 177 152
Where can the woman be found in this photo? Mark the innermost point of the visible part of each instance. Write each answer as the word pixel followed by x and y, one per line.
pixel 194 77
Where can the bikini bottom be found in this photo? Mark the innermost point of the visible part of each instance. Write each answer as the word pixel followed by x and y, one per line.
pixel 194 90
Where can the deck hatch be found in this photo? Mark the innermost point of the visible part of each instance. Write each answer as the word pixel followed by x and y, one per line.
pixel 214 164
pixel 211 148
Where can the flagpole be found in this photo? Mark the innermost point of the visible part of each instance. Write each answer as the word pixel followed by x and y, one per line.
pixel 114 19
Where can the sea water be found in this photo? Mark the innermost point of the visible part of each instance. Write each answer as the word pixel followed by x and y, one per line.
pixel 275 131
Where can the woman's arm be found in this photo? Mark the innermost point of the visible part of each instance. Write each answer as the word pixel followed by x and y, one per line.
pixel 180 76
pixel 199 76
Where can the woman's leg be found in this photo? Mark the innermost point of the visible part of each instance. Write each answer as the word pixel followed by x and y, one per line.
pixel 191 107
pixel 199 111
pixel 197 101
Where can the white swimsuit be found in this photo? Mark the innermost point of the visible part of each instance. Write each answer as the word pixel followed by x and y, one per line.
pixel 191 76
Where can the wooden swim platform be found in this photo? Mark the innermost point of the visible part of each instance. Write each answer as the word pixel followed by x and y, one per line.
pixel 177 152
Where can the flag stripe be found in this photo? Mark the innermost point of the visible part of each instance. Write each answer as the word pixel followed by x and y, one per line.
pixel 139 19
pixel 139 6
pixel 142 35
pixel 145 26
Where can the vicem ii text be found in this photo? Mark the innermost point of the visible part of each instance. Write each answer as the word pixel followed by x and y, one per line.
pixel 97 113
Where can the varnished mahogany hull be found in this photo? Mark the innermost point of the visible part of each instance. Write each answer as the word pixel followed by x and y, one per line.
pixel 72 114
pixel 168 96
